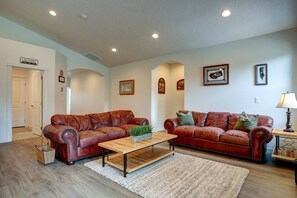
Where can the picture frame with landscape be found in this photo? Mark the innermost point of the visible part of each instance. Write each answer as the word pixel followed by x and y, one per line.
pixel 216 75
pixel 126 87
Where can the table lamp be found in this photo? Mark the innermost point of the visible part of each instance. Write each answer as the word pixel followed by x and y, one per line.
pixel 288 100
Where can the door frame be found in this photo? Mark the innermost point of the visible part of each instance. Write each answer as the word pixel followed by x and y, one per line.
pixel 44 73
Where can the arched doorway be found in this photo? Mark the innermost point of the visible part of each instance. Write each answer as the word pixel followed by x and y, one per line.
pixel 85 92
pixel 165 105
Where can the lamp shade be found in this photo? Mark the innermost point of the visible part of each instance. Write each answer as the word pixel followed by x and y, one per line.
pixel 287 100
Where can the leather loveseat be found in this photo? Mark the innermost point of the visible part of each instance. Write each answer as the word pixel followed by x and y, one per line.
pixel 214 131
pixel 77 136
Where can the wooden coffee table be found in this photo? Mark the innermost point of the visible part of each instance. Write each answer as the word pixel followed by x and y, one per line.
pixel 132 156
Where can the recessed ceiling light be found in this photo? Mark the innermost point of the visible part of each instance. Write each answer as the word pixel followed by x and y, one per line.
pixel 226 13
pixel 155 35
pixel 114 49
pixel 83 16
pixel 53 13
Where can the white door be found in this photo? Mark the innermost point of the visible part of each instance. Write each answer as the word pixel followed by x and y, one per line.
pixel 36 102
pixel 18 102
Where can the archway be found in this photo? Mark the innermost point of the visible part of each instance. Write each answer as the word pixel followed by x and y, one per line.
pixel 85 92
pixel 165 105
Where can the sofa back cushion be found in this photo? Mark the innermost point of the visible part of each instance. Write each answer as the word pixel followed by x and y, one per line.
pixel 100 120
pixel 199 117
pixel 121 117
pixel 262 120
pixel 66 120
pixel 83 121
pixel 217 119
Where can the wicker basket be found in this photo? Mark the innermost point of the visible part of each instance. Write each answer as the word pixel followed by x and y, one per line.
pixel 45 154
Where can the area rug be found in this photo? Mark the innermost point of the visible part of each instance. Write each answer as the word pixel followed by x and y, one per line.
pixel 178 175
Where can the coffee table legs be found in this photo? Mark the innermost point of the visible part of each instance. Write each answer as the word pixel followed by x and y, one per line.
pixel 103 157
pixel 125 165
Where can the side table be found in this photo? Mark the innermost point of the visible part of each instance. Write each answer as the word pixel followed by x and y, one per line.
pixel 287 136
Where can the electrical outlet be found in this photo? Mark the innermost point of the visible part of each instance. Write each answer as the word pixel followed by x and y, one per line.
pixel 256 100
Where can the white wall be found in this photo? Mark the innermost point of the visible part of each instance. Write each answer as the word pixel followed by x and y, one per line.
pixel 10 53
pixel 175 100
pixel 159 101
pixel 278 50
pixel 13 31
pixel 87 92
pixel 166 105
pixel 60 87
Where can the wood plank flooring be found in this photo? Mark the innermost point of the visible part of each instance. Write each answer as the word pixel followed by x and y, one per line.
pixel 22 176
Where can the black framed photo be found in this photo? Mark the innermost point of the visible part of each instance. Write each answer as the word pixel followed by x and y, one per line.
pixel 62 79
pixel 216 75
pixel 261 74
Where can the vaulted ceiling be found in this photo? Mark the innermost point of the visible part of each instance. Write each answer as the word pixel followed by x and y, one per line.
pixel 128 25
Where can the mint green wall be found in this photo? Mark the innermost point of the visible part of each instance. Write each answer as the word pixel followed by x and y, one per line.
pixel 13 31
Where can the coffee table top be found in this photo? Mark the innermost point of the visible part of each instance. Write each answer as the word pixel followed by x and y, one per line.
pixel 124 145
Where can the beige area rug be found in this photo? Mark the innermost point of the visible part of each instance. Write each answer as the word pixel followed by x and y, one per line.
pixel 22 133
pixel 179 175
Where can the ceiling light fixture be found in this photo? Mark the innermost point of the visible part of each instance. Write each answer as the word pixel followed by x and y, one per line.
pixel 114 49
pixel 155 35
pixel 226 13
pixel 53 13
pixel 83 16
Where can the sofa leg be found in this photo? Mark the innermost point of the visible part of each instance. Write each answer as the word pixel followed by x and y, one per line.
pixel 70 163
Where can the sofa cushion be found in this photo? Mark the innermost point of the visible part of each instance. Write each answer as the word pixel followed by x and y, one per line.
pixel 235 137
pixel 59 119
pixel 245 122
pixel 185 131
pixel 121 117
pixel 100 120
pixel 217 119
pixel 265 121
pixel 208 133
pixel 90 138
pixel 84 122
pixel 185 119
pixel 199 117
pixel 127 127
pixel 113 132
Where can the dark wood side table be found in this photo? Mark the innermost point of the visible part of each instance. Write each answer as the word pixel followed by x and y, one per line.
pixel 287 136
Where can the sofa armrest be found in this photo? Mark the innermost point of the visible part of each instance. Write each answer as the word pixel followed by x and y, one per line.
pixel 170 124
pixel 139 121
pixel 59 133
pixel 259 137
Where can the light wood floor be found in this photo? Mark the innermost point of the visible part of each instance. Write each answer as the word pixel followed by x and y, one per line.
pixel 22 176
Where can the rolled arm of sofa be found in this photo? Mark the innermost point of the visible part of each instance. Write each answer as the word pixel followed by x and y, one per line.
pixel 140 121
pixel 60 133
pixel 259 137
pixel 170 124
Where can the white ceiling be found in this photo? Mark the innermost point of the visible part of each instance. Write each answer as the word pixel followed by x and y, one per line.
pixel 129 24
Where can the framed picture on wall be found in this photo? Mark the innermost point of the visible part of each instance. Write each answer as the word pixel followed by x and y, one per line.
pixel 216 75
pixel 261 74
pixel 180 85
pixel 161 86
pixel 126 87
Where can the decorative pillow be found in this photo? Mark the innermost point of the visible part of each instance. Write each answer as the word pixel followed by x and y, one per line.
pixel 245 123
pixel 185 119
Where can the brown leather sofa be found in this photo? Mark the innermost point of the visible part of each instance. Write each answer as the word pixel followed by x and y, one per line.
pixel 77 136
pixel 214 131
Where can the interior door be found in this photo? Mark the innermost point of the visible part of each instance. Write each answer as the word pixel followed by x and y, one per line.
pixel 36 102
pixel 18 102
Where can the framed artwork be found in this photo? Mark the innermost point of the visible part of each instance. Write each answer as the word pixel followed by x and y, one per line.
pixel 180 85
pixel 62 79
pixel 261 74
pixel 216 75
pixel 127 87
pixel 161 86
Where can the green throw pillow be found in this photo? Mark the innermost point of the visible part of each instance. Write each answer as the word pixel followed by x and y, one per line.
pixel 185 119
pixel 245 123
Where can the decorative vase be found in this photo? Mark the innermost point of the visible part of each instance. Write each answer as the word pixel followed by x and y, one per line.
pixel 147 136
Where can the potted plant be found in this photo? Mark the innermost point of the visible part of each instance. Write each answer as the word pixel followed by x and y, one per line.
pixel 140 133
